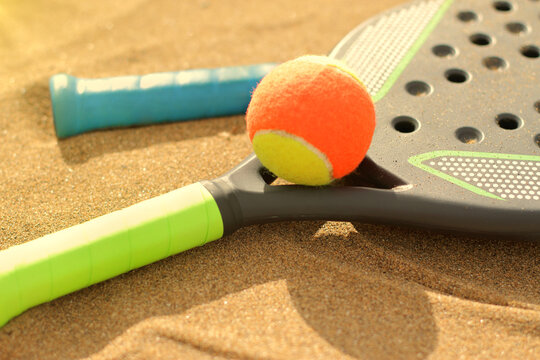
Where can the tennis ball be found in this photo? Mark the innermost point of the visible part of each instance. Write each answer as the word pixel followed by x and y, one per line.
pixel 311 120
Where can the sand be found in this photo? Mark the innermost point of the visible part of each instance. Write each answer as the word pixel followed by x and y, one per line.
pixel 297 290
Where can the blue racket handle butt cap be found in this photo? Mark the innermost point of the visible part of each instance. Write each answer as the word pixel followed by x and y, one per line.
pixel 81 105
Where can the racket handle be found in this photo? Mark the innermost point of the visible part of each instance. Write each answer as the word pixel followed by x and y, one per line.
pixel 57 264
pixel 81 105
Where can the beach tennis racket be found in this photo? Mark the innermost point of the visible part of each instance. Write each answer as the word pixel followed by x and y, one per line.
pixel 456 147
pixel 81 105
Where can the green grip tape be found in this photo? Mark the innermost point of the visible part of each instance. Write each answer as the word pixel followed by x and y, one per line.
pixel 74 258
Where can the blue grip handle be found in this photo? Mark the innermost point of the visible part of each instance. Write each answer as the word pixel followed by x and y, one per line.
pixel 81 105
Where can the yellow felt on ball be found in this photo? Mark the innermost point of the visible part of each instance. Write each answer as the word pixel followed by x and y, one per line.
pixel 311 120
pixel 292 158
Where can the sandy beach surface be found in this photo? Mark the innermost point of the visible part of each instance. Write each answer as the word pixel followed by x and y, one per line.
pixel 295 290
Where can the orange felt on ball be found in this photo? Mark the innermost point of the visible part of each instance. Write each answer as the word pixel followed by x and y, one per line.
pixel 321 101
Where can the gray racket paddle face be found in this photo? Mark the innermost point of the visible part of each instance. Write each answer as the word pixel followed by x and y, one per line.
pixel 457 141
pixel 457 85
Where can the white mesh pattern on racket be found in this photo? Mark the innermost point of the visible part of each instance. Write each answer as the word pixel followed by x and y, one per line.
pixel 380 47
pixel 508 179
